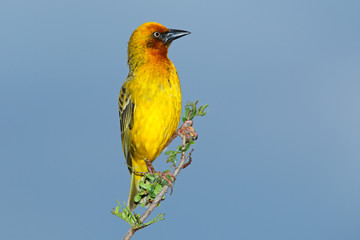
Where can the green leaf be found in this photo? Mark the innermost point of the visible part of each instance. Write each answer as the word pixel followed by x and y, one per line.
pixel 158 189
pixel 202 110
pixel 151 177
pixel 144 185
pixel 137 198
pixel 141 192
pixel 151 188
pixel 170 152
pixel 117 210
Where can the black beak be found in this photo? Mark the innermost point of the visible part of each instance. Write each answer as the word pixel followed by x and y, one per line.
pixel 175 34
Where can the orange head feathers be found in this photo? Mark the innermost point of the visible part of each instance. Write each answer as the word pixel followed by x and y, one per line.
pixel 151 41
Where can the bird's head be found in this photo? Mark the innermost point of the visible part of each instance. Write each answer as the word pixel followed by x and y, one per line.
pixel 151 41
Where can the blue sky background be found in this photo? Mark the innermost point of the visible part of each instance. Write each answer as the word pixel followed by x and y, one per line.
pixel 278 153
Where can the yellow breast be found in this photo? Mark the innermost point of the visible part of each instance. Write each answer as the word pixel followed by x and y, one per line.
pixel 157 96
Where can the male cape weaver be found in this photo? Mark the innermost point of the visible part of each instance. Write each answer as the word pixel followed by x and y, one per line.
pixel 149 100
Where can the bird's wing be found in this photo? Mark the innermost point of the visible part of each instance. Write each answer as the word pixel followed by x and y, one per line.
pixel 126 114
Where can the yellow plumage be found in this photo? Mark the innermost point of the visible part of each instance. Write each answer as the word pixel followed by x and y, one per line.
pixel 149 100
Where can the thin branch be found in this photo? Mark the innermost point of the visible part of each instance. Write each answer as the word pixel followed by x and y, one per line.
pixel 190 159
pixel 158 198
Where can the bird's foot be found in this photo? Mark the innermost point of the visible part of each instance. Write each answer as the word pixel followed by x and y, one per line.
pixel 187 131
pixel 168 176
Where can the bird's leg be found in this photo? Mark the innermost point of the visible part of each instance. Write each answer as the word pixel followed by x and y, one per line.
pixel 150 167
pixel 163 175
pixel 170 140
pixel 186 130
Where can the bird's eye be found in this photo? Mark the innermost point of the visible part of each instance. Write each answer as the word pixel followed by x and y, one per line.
pixel 156 34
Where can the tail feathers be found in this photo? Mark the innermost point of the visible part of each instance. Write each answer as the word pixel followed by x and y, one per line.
pixel 134 187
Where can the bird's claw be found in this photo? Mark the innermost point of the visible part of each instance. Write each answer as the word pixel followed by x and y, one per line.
pixel 163 175
pixel 187 131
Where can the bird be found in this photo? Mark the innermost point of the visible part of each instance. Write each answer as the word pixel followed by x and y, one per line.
pixel 149 100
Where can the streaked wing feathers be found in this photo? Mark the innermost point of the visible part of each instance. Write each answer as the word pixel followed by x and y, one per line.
pixel 126 114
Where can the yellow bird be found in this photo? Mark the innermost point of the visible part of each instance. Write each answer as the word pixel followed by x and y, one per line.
pixel 149 100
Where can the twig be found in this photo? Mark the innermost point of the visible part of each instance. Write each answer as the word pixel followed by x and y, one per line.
pixel 190 159
pixel 158 198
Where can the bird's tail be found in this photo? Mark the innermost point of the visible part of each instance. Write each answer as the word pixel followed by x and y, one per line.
pixel 134 188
